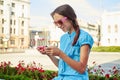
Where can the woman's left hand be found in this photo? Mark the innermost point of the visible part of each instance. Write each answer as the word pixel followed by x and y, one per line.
pixel 52 50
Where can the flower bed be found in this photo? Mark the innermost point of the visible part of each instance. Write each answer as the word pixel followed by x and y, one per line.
pixel 31 72
pixel 98 73
pixel 35 72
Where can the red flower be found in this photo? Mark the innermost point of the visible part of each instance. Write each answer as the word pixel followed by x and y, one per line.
pixel 103 70
pixel 19 65
pixel 16 68
pixel 5 64
pixel 22 69
pixel 115 79
pixel 115 72
pixel 9 63
pixel 107 76
pixel 114 67
pixel 40 70
pixel 95 70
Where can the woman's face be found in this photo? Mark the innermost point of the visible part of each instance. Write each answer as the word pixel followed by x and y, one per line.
pixel 62 22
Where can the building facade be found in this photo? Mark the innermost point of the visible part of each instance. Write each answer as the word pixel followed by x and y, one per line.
pixel 14 23
pixel 110 29
pixel 92 29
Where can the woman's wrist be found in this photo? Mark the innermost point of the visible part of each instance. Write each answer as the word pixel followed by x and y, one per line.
pixel 48 55
pixel 60 53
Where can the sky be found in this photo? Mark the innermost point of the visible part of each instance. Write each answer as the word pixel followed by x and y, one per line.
pixel 86 10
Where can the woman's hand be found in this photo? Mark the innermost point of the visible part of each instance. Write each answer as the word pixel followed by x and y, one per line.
pixel 41 49
pixel 54 51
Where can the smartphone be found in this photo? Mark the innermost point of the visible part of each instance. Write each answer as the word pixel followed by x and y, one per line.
pixel 41 47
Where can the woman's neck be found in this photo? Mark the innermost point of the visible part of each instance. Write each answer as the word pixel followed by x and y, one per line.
pixel 71 30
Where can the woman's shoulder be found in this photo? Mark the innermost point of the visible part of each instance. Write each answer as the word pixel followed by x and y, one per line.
pixel 64 35
pixel 84 33
pixel 85 38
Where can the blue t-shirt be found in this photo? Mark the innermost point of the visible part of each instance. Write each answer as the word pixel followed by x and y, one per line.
pixel 65 71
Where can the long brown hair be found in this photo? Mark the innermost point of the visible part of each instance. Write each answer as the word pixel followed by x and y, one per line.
pixel 67 11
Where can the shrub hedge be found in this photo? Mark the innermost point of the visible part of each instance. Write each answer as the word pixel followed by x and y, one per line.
pixel 24 77
pixel 35 71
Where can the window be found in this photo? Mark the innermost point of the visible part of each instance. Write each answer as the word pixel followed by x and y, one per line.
pixel 22 23
pixel 12 42
pixel 1 2
pixel 14 31
pixel 109 29
pixel 1 41
pixel 2 21
pixel 10 30
pixel 1 11
pixel 12 13
pixel 116 28
pixel 11 21
pixel 13 4
pixel 2 29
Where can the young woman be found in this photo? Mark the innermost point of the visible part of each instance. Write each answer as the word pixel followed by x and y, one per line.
pixel 75 46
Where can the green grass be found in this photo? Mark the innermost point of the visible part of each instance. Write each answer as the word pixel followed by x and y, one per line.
pixel 106 49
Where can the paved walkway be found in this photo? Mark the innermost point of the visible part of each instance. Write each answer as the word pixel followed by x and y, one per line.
pixel 29 56
pixel 106 60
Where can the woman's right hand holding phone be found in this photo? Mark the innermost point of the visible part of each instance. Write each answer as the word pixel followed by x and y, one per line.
pixel 41 49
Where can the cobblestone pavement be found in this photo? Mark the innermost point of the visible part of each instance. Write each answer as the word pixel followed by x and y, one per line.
pixel 106 60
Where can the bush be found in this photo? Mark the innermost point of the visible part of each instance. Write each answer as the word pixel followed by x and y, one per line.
pixel 34 72
pixel 106 49
pixel 98 73
pixel 20 72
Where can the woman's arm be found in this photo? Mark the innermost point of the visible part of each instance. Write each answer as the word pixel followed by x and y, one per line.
pixel 54 59
pixel 78 66
pixel 81 65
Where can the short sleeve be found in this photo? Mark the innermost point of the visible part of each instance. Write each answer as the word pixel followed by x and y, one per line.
pixel 86 39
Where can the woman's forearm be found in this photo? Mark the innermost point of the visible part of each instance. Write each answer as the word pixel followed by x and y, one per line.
pixel 78 66
pixel 54 59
